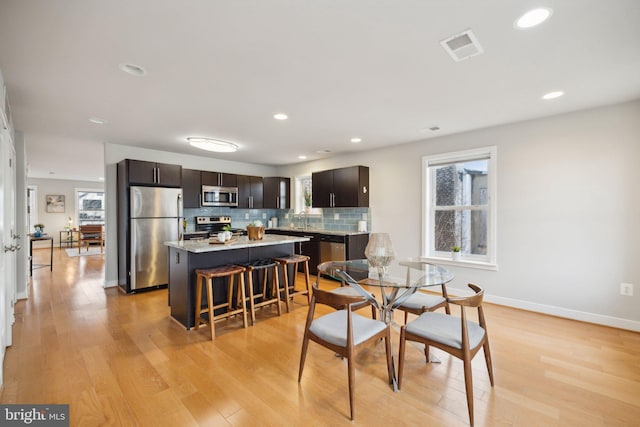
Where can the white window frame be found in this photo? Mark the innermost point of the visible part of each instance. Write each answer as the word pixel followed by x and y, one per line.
pixel 488 261
pixel 89 190
pixel 298 205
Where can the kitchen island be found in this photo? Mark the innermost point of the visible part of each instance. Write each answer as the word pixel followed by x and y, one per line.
pixel 187 256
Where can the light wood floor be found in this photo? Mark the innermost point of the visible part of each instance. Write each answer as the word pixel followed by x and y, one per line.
pixel 119 360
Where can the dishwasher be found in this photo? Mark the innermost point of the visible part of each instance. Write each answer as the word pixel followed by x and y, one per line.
pixel 332 248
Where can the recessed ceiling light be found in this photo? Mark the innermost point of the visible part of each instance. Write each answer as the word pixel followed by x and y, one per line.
pixel 533 17
pixel 553 95
pixel 134 70
pixel 280 116
pixel 211 144
pixel 302 157
pixel 97 120
pixel 356 140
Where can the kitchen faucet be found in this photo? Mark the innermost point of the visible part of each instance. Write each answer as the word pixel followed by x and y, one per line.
pixel 305 222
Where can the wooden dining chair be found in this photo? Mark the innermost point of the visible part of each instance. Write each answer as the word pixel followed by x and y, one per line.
pixel 90 233
pixel 457 336
pixel 343 332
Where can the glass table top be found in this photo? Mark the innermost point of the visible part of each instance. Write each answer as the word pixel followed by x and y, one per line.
pixel 409 273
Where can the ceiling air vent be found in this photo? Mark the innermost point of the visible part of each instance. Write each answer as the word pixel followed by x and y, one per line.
pixel 462 46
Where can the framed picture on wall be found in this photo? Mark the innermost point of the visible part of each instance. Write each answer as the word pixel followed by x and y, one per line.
pixel 55 203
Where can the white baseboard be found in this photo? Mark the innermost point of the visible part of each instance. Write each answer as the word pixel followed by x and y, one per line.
pixel 109 284
pixel 582 316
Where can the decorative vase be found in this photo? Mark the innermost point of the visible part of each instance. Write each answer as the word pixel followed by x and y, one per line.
pixel 455 256
pixel 255 233
pixel 37 234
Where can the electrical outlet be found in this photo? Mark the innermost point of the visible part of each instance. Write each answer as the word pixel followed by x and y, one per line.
pixel 626 289
pixel 286 216
pixel 264 216
pixel 246 216
pixel 336 216
pixel 364 216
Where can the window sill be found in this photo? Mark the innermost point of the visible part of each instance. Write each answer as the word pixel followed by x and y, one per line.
pixel 462 263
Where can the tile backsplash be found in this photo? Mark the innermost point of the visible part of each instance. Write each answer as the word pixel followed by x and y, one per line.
pixel 336 219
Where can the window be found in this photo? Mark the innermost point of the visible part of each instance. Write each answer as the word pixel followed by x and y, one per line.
pixel 90 206
pixel 303 185
pixel 460 206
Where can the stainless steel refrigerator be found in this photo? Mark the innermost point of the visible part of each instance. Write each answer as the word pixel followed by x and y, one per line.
pixel 155 217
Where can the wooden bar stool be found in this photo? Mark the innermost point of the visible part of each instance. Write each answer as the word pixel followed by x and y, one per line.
pixel 289 286
pixel 268 295
pixel 207 276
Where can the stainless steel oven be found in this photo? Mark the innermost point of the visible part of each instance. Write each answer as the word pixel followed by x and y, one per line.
pixel 219 196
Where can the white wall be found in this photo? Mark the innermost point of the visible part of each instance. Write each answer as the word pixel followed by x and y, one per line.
pixel 568 210
pixel 113 153
pixel 54 222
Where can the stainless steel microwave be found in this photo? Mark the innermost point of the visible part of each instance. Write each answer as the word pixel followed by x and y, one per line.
pixel 219 196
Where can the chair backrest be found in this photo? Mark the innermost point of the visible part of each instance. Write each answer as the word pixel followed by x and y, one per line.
pixel 331 299
pixel 474 300
pixel 91 229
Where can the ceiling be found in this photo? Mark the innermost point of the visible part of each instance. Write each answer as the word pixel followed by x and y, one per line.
pixel 371 69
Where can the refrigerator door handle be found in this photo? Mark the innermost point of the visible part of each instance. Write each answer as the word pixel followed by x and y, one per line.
pixel 134 239
pixel 179 214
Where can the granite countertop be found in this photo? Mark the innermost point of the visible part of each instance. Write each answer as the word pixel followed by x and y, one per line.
pixel 241 242
pixel 318 231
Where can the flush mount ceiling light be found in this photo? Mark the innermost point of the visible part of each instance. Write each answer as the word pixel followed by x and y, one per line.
pixel 280 116
pixel 97 121
pixel 302 157
pixel 211 144
pixel 356 140
pixel 533 17
pixel 134 70
pixel 553 95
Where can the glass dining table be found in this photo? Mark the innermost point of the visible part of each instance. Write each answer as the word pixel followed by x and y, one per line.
pixel 396 280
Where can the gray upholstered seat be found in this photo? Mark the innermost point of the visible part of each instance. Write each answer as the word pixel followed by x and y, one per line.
pixel 333 328
pixel 445 329
pixel 419 300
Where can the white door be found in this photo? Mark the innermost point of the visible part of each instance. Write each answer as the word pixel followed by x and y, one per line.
pixel 8 240
pixel 15 240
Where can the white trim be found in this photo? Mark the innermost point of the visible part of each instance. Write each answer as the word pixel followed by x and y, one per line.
pixel 491 154
pixel 109 284
pixel 550 310
pixel 599 319
pixel 461 263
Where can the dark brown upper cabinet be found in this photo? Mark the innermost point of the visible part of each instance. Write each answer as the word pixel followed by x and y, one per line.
pixel 250 192
pixel 219 179
pixel 341 188
pixel 141 172
pixel 277 192
pixel 191 188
